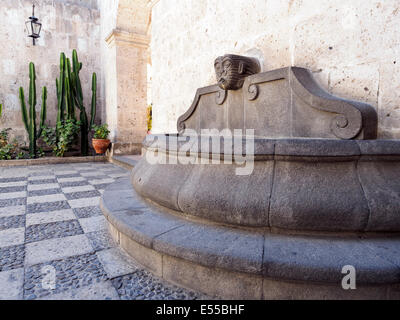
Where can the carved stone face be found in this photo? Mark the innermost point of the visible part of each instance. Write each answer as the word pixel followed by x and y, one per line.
pixel 231 70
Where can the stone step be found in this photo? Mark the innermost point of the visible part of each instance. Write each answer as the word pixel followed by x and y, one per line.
pixel 126 161
pixel 243 261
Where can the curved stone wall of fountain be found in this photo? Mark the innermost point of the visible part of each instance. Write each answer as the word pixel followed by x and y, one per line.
pixel 322 194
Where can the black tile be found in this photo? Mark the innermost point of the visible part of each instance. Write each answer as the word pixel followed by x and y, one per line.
pixel 12 202
pixel 12 189
pixel 52 230
pixel 71 273
pixel 82 194
pixel 43 192
pixel 12 257
pixel 87 212
pixel 47 206
pixel 12 222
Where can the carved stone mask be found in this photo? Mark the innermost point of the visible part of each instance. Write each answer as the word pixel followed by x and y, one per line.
pixel 231 70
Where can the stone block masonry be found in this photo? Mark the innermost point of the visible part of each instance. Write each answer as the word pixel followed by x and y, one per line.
pixel 67 25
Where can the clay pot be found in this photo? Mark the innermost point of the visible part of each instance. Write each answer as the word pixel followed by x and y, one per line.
pixel 100 145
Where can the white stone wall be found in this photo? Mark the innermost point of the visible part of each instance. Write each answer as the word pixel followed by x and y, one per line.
pixel 124 27
pixel 109 12
pixel 352 46
pixel 67 25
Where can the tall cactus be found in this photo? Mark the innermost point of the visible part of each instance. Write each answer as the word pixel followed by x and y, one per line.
pixel 77 95
pixel 60 90
pixel 65 101
pixel 30 122
pixel 69 100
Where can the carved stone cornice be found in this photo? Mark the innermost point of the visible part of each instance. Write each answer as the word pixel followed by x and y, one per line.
pixel 126 38
pixel 152 3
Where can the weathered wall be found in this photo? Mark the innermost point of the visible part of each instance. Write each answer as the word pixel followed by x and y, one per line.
pixel 67 25
pixel 124 31
pixel 352 46
pixel 109 12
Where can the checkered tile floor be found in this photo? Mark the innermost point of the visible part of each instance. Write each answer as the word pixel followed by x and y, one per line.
pixel 51 224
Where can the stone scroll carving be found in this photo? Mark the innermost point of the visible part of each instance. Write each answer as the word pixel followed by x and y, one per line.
pixel 281 103
pixel 220 96
pixel 348 117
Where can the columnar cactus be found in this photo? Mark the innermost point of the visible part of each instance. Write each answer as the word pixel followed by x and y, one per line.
pixel 30 122
pixel 60 90
pixel 78 98
pixel 65 101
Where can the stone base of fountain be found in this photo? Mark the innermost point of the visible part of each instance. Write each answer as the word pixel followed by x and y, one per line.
pixel 319 211
pixel 242 263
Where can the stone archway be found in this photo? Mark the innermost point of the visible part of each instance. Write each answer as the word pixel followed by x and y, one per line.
pixel 126 74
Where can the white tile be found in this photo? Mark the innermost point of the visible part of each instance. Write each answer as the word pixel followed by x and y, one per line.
pixel 12 211
pixel 47 217
pixel 91 173
pixel 78 189
pixel 82 167
pixel 12 195
pixel 40 168
pixel 106 166
pixel 91 224
pixel 46 198
pixel 13 184
pixel 118 175
pixel 53 249
pixel 46 177
pixel 116 262
pixel 46 186
pixel 11 283
pixel 15 173
pixel 73 179
pixel 101 181
pixel 12 237
pixel 84 202
pixel 65 171
pixel 103 290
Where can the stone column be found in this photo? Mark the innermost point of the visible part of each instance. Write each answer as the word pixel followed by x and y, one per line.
pixel 129 100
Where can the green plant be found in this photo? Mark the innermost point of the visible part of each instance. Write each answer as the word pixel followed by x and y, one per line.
pixel 6 152
pixel 30 123
pixel 20 155
pixel 149 117
pixel 61 138
pixel 100 132
pixel 1 110
pixel 4 137
pixel 65 102
pixel 9 150
pixel 77 95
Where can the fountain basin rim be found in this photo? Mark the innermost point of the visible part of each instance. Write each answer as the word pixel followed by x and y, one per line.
pixel 285 147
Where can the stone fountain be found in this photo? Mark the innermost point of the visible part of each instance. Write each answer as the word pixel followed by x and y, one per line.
pixel 317 216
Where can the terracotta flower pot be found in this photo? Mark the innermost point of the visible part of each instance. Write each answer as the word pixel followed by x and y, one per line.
pixel 100 145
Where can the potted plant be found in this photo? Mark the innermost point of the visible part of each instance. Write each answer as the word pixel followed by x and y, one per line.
pixel 149 118
pixel 100 142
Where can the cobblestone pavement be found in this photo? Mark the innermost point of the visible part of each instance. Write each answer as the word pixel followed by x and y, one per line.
pixel 54 243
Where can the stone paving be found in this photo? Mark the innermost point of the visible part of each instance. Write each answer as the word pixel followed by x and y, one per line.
pixel 54 243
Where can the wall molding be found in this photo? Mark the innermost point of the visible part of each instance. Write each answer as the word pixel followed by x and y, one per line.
pixel 126 38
